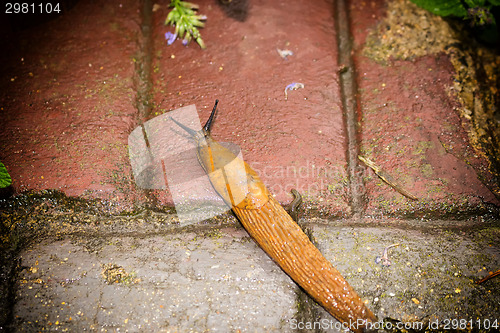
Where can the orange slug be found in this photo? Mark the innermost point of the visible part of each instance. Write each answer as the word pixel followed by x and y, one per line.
pixel 276 232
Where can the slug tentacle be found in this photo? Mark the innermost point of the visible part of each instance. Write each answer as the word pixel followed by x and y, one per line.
pixel 208 124
pixel 295 205
pixel 184 127
pixel 205 131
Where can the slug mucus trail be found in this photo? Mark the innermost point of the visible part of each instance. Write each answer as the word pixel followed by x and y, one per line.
pixel 276 232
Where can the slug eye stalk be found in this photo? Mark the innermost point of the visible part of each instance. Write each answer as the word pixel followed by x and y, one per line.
pixel 206 127
pixel 184 127
pixel 208 124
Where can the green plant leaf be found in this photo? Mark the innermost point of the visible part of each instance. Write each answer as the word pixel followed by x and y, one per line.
pixel 443 7
pixel 188 4
pixel 475 3
pixel 5 179
pixel 185 19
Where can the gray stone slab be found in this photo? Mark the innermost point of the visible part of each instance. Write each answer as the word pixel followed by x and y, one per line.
pixel 219 281
pixel 432 273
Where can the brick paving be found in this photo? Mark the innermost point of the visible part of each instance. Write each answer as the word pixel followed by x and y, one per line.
pixel 74 88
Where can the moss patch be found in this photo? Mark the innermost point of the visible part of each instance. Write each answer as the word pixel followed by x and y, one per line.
pixel 408 32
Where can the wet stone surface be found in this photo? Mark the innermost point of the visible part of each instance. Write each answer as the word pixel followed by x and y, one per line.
pixel 217 279
pixel 412 124
pixel 68 94
pixel 431 275
pixel 298 142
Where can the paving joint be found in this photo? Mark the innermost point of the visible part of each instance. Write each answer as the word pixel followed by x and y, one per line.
pixel 144 82
pixel 10 266
pixel 143 64
pixel 348 90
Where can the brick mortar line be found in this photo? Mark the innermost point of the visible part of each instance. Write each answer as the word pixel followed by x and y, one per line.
pixel 143 65
pixel 348 91
pixel 143 79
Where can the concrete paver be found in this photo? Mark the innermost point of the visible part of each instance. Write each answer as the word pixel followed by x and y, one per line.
pixel 218 280
pixel 431 274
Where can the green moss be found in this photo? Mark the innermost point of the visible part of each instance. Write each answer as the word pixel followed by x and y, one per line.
pixel 113 273
pixel 5 179
pixel 422 147
pixel 427 170
pixel 213 234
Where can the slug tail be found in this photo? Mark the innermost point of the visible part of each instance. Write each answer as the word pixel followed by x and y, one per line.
pixel 284 241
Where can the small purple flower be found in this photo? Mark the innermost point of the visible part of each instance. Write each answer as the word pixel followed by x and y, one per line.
pixel 479 16
pixel 185 42
pixel 293 86
pixel 170 37
pixel 284 53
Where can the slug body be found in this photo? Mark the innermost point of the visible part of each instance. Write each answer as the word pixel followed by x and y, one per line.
pixel 277 233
